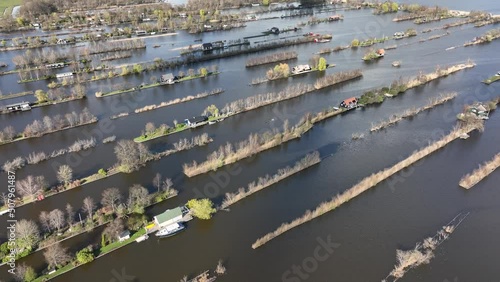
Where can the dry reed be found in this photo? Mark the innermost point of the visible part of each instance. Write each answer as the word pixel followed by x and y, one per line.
pixel 443 98
pixel 471 179
pixel 264 182
pixel 369 182
pixel 272 58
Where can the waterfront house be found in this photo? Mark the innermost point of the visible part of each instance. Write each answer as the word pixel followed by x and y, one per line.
pixel 349 103
pixel 17 107
pixel 168 217
pixel 168 78
pixel 195 121
pixel 125 235
pixel 207 46
pixel 300 68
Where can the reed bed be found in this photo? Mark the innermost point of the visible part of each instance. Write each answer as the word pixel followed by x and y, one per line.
pixel 37 157
pixel 369 182
pixel 335 78
pixel 266 181
pixel 423 251
pixel 443 98
pixel 179 100
pixel 471 179
pixel 254 144
pixel 272 58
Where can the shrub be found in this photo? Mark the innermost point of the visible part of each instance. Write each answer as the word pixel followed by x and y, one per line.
pixel 85 255
pixel 202 209
pixel 102 172
pixel 355 43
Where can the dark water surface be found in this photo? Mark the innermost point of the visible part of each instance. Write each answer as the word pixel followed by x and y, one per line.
pixel 367 231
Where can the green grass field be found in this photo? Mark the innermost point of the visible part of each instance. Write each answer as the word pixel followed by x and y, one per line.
pixel 8 4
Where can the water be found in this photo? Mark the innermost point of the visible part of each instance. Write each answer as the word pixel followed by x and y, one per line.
pixel 367 231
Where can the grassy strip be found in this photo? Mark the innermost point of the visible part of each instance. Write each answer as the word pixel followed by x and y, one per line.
pixel 47 103
pixel 261 100
pixel 102 252
pixel 94 224
pixel 263 80
pixel 492 79
pixel 264 182
pixel 402 85
pixel 367 183
pixel 183 145
pixel 469 180
pixel 36 79
pixel 15 95
pixel 146 86
pixel 170 103
pixel 412 112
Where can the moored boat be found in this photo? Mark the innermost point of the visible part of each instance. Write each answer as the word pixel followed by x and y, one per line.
pixel 170 230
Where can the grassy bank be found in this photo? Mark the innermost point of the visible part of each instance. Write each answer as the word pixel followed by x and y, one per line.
pixel 469 180
pixel 257 101
pixel 151 85
pixel 182 145
pixel 402 85
pixel 368 182
pixel 492 79
pixel 264 182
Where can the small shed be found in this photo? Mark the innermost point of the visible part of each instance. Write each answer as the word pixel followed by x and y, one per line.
pixel 168 217
pixel 125 235
pixel 167 79
pixel 207 46
pixel 349 103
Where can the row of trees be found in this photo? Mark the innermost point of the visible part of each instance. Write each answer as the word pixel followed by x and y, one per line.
pixel 37 157
pixel 58 122
pixel 55 95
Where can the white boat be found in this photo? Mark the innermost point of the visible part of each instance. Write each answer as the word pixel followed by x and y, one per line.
pixel 142 238
pixel 170 230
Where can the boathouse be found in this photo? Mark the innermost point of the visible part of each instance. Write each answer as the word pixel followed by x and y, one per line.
pixel 195 121
pixel 349 103
pixel 168 217
pixel 207 46
pixel 17 107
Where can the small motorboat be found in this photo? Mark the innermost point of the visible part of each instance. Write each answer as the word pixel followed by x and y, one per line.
pixel 396 64
pixel 170 230
pixel 156 46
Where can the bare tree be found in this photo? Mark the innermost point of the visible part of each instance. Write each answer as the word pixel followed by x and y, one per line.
pixel 27 234
pixel 56 219
pixel 56 255
pixel 65 174
pixel 114 229
pixel 23 272
pixel 127 154
pixel 88 206
pixel 111 197
pixel 157 181
pixel 45 221
pixel 30 186
pixel 138 198
pixel 167 185
pixel 70 214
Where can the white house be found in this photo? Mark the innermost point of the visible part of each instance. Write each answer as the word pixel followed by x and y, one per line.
pixel 125 235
